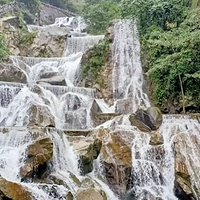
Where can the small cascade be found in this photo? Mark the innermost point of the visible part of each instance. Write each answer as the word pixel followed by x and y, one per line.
pixel 8 91
pixel 37 68
pixel 81 44
pixel 127 69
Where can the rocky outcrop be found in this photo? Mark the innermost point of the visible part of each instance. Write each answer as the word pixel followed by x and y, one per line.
pixel 14 191
pixel 39 43
pixel 49 13
pixel 38 154
pixel 40 116
pixel 103 82
pixel 49 43
pixel 9 73
pixel 91 194
pixel 116 158
pixel 147 120
pixel 87 150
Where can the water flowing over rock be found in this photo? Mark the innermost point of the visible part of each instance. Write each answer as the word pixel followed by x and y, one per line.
pixel 116 157
pixel 127 73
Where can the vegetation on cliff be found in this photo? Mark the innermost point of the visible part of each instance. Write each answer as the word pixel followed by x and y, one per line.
pixel 94 60
pixel 4 52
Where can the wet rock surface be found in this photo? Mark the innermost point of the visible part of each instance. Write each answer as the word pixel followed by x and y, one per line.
pixel 87 150
pixel 14 191
pixel 38 154
pixel 55 80
pixel 8 73
pixel 90 194
pixel 116 158
pixel 147 120
pixel 41 116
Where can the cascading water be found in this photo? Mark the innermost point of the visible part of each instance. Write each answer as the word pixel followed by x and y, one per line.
pixel 37 69
pixel 69 105
pixel 153 167
pixel 127 70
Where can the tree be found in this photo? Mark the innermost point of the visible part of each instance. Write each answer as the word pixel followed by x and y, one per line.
pixel 99 14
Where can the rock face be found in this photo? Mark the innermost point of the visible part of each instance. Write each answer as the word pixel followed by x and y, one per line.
pixel 90 194
pixel 116 158
pixel 103 83
pixel 13 191
pixel 38 154
pixel 40 116
pixel 87 150
pixel 48 14
pixel 9 73
pixel 48 43
pixel 147 120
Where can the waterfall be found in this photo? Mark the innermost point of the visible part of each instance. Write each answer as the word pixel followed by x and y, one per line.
pixel 154 165
pixel 127 70
pixel 70 107
pixel 80 44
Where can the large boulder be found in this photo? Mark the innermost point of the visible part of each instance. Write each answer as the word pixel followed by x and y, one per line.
pixel 91 194
pixel 40 116
pixel 38 154
pixel 98 117
pixel 9 73
pixel 55 80
pixel 147 120
pixel 87 150
pixel 14 191
pixel 116 158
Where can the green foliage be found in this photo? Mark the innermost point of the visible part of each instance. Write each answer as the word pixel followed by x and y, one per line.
pixel 31 5
pixel 25 38
pixel 4 53
pixel 95 60
pixel 5 1
pixel 173 53
pixel 155 12
pixel 99 14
